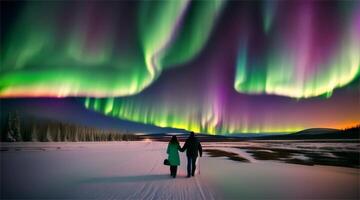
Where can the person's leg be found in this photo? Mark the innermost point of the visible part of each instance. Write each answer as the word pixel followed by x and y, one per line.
pixel 175 171
pixel 188 166
pixel 193 162
pixel 171 170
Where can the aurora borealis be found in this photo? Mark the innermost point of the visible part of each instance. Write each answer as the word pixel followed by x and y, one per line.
pixel 78 40
pixel 214 67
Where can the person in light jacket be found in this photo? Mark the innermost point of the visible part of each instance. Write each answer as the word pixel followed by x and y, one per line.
pixel 173 155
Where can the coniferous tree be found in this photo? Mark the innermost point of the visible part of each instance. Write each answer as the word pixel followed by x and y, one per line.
pixel 9 130
pixel 34 133
pixel 92 137
pixel 125 138
pixel 58 135
pixel 66 131
pixel 48 134
pixel 16 127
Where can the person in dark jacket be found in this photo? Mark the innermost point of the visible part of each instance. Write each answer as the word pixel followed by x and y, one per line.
pixel 192 147
pixel 173 152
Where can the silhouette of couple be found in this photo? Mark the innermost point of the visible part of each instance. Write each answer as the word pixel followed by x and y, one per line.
pixel 192 147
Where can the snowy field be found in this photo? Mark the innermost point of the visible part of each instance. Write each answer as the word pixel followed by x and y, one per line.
pixel 135 170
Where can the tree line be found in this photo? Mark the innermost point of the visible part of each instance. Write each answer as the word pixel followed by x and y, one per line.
pixel 16 130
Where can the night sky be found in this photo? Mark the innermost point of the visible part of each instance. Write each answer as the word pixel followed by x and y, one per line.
pixel 216 67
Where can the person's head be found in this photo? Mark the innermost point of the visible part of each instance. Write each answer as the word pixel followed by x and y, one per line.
pixel 192 134
pixel 174 139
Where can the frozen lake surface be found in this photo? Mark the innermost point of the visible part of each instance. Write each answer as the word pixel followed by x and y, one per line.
pixel 135 170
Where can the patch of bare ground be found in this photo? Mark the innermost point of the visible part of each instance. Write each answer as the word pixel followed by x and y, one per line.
pixel 340 158
pixel 229 155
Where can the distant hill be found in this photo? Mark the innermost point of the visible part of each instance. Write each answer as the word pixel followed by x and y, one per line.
pixel 165 137
pixel 316 131
pixel 308 134
pixel 252 135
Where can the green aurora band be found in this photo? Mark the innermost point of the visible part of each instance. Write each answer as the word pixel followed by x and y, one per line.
pixel 292 69
pixel 185 117
pixel 46 63
pixel 288 71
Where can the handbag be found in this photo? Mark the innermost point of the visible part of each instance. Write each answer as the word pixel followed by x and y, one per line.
pixel 166 162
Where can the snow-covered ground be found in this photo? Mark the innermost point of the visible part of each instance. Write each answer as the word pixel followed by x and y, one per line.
pixel 135 170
